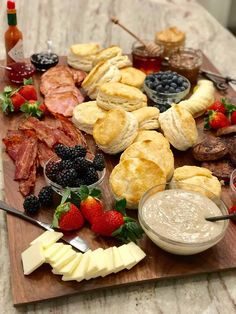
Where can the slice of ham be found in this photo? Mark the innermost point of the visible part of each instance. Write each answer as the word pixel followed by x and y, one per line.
pixel 26 186
pixel 26 157
pixel 63 100
pixel 78 76
pixel 226 130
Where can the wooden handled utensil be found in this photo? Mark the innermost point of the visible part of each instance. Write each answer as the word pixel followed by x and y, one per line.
pixel 151 48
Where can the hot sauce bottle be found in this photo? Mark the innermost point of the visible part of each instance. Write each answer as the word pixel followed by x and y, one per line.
pixel 13 36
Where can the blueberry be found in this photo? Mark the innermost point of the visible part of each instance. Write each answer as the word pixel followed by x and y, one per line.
pixel 178 90
pixel 170 76
pixel 164 77
pixel 180 81
pixel 172 90
pixel 159 88
pixel 164 82
pixel 182 88
pixel 167 87
pixel 150 78
pixel 185 84
pixel 152 85
pixel 173 85
pixel 175 79
pixel 169 81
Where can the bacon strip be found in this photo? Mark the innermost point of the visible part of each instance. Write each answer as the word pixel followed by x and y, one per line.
pixel 13 141
pixel 26 157
pixel 44 153
pixel 26 186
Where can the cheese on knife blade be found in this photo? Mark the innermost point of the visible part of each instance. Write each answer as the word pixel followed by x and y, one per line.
pixel 48 238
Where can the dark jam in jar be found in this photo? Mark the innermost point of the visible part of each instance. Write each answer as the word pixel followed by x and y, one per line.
pixel 144 61
pixel 44 60
pixel 186 62
pixel 20 71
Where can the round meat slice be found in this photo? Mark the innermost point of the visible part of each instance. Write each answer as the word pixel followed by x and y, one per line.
pixel 221 169
pixel 210 149
pixel 63 100
pixel 78 76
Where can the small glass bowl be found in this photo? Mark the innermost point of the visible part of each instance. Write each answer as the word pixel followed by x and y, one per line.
pixel 20 71
pixel 60 190
pixel 178 247
pixel 44 60
pixel 164 100
pixel 233 184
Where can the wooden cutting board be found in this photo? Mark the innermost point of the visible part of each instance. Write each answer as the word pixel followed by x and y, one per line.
pixel 43 285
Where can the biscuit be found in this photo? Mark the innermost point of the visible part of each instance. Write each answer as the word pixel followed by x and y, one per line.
pixel 118 95
pixel 148 149
pixel 132 177
pixel 155 136
pixel 201 99
pixel 197 179
pixel 179 127
pixel 148 118
pixel 120 61
pixel 81 56
pixel 100 74
pixel 115 131
pixel 86 114
pixel 132 77
pixel 107 53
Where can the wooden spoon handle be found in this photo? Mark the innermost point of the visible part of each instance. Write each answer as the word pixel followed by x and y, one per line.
pixel 116 21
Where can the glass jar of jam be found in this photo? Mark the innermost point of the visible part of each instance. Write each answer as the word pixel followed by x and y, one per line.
pixel 171 38
pixel 186 62
pixel 19 71
pixel 148 61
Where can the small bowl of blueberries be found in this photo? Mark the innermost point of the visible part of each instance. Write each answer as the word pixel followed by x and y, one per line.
pixel 44 60
pixel 165 88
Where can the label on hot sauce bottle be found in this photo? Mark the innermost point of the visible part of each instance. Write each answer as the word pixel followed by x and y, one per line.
pixel 17 52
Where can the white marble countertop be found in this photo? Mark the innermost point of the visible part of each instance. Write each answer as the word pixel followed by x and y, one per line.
pixel 72 21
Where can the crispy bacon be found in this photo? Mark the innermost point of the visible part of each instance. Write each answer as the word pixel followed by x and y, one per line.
pixel 26 186
pixel 75 134
pixel 44 153
pixel 13 141
pixel 26 157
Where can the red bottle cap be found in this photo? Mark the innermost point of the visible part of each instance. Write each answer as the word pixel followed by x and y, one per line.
pixel 11 5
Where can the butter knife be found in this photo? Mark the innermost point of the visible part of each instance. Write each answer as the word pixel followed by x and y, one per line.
pixel 76 242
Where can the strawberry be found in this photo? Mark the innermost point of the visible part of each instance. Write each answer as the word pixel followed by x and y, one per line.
pixel 17 101
pixel 233 117
pixel 232 210
pixel 43 108
pixel 28 92
pixel 90 205
pixel 11 100
pixel 115 223
pixel 216 120
pixel 217 106
pixel 67 217
pixel 32 107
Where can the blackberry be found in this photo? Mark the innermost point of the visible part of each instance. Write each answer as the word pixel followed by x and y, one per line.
pixel 81 164
pixel 90 176
pixel 62 151
pixel 66 177
pixel 31 204
pixel 99 162
pixel 78 182
pixel 66 164
pixel 80 151
pixel 46 196
pixel 52 169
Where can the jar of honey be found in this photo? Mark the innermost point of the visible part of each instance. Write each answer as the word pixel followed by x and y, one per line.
pixel 146 60
pixel 186 62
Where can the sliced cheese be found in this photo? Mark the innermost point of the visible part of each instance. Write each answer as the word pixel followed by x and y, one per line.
pixel 70 267
pixel 48 238
pixel 118 262
pixel 52 250
pixel 64 260
pixel 80 271
pixel 59 254
pixel 32 258
pixel 109 260
pixel 127 257
pixel 136 251
pixel 97 264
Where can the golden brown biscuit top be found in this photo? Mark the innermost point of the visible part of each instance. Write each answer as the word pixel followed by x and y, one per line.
pixel 132 76
pixel 171 34
pixel 109 127
pixel 85 49
pixel 154 136
pixel 186 172
pixel 115 89
pixel 187 121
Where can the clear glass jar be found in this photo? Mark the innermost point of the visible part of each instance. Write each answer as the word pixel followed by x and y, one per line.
pixel 144 60
pixel 186 62
pixel 233 185
pixel 171 38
